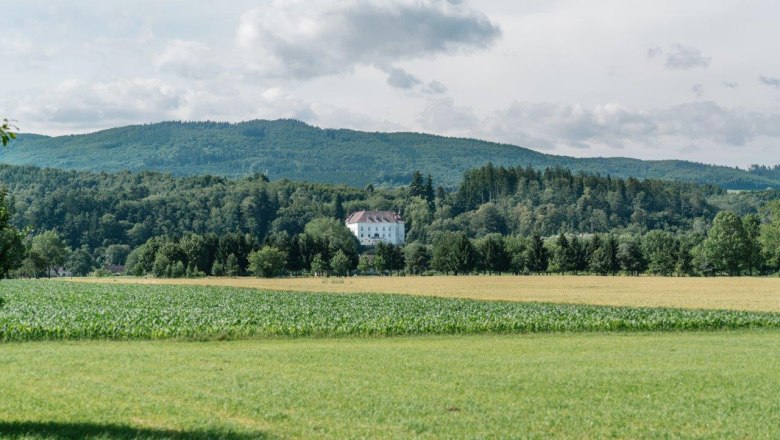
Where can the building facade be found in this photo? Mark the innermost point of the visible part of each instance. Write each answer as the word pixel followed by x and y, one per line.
pixel 371 227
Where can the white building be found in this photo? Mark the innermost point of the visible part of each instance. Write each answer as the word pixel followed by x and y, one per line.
pixel 371 227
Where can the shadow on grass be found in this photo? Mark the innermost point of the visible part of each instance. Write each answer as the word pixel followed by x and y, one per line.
pixel 73 431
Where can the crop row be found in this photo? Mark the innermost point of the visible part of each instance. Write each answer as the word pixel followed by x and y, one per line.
pixel 44 310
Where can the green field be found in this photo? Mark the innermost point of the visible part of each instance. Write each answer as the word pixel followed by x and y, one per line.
pixel 660 385
pixel 321 365
pixel 47 310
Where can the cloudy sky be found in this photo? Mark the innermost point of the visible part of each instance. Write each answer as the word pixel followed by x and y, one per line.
pixel 696 80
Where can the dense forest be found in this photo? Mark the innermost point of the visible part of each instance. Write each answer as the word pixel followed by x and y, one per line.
pixel 499 219
pixel 294 150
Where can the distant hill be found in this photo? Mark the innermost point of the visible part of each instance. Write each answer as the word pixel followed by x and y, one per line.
pixel 294 150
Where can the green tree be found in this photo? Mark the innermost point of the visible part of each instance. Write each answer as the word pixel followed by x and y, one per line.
pixel 630 256
pixel 579 253
pixel 268 262
pixel 365 265
pixel 329 236
pixel 491 254
pixel 515 249
pixel 218 269
pixel 381 257
pixel 660 250
pixel 684 264
pixel 167 259
pixel 753 258
pixel 116 254
pixel 340 264
pixel 6 132
pixel 417 257
pixel 51 250
pixel 319 266
pixel 338 208
pixel 417 187
pixel 604 255
pixel 232 269
pixel 12 250
pixel 80 262
pixel 726 244
pixel 770 235
pixel 198 251
pixel 430 195
pixel 453 252
pixel 379 264
pixel 563 256
pixel 488 219
pixel 536 256
pixel 419 216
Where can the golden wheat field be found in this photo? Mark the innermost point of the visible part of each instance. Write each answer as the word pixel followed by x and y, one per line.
pixel 739 293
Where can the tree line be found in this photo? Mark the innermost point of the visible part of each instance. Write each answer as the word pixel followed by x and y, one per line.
pixel 733 246
pixel 516 220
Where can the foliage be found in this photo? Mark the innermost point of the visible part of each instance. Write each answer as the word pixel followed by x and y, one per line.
pixel 660 251
pixel 268 262
pixel 47 251
pixel 319 266
pixel 6 132
pixel 294 150
pixel 12 250
pixel 417 258
pixel 770 235
pixel 80 262
pixel 727 243
pixel 341 264
pixel 453 253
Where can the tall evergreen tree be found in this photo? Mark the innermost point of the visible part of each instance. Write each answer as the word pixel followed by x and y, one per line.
pixel 536 256
pixel 751 223
pixel 430 196
pixel 492 254
pixel 338 208
pixel 563 257
pixel 417 187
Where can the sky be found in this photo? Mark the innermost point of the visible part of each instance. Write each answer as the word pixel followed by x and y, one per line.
pixel 693 80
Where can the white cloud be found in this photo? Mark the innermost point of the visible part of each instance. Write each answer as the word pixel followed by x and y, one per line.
pixel 307 39
pixel 278 103
pixel 552 126
pixel 190 59
pixel 80 104
pixel 769 81
pixel 684 57
pixel 442 115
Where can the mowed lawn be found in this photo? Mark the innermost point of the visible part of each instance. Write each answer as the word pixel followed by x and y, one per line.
pixel 659 385
pixel 737 293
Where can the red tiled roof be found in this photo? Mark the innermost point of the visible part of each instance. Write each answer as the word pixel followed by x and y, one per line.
pixel 374 217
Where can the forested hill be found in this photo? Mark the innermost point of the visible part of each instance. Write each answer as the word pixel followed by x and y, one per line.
pixel 295 150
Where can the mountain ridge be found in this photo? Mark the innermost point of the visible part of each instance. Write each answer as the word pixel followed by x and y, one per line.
pixel 292 149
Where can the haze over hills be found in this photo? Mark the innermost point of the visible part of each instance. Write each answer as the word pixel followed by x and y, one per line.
pixel 294 150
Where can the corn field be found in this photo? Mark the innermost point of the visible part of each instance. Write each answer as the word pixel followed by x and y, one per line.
pixel 55 310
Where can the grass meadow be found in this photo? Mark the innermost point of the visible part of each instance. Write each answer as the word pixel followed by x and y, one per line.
pixel 737 293
pixel 654 385
pixel 154 361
